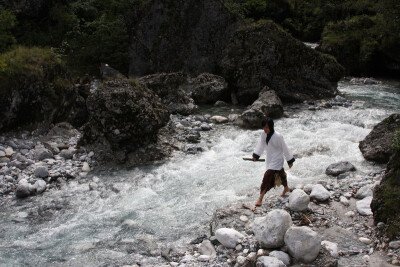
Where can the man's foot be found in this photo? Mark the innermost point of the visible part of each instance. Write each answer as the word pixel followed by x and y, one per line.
pixel 285 190
pixel 258 204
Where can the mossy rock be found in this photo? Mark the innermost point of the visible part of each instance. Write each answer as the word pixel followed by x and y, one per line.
pixel 35 87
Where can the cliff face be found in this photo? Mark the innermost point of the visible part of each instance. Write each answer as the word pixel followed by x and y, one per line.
pixel 262 54
pixel 181 35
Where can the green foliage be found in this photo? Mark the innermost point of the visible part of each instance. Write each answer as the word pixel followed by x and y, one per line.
pixel 7 24
pixel 22 67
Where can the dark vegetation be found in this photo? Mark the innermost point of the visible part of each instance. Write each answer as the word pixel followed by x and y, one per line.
pixel 362 34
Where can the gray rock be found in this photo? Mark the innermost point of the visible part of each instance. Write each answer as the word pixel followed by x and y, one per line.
pixel 364 192
pixel 268 104
pixel 270 230
pixel 364 206
pixel 228 237
pixel 280 255
pixel 338 168
pixel 394 244
pixel 40 186
pixel 169 87
pixel 308 188
pixel 298 200
pixel 266 261
pixel 303 243
pixel 42 153
pixel 205 127
pixel 41 172
pixel 206 248
pixel 377 146
pixel 23 189
pixel 208 89
pixel 66 153
pixel 2 154
pixel 320 193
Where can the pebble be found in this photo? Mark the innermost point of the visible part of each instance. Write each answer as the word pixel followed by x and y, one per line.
pixel 203 258
pixel 365 258
pixel 9 151
pixel 239 247
pixel 365 240
pixel 394 244
pixel 2 154
pixel 395 262
pixel 240 260
pixel 244 218
pixel 85 167
pixel 350 214
pixel 260 252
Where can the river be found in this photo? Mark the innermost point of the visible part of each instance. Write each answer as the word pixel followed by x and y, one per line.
pixel 172 202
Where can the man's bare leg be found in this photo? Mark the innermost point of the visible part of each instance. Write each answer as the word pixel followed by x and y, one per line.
pixel 285 190
pixel 260 198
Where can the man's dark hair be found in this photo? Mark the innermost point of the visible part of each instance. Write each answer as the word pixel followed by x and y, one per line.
pixel 269 122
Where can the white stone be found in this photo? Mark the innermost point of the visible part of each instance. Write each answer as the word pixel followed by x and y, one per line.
pixel 344 201
pixel 331 247
pixel 203 258
pixel 219 119
pixel 187 258
pixel 260 252
pixel 240 260
pixel 244 218
pixel 9 151
pixel 298 200
pixel 282 256
pixel 365 240
pixel 40 186
pixel 364 206
pixel 85 167
pixel 308 188
pixel 303 243
pixel 365 258
pixel 320 193
pixel 252 256
pixel 270 230
pixel 206 248
pixel 350 214
pixel 266 261
pixel 228 237
pixel 2 154
pixel 364 192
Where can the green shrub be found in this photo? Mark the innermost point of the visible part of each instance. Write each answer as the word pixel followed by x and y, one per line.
pixel 7 24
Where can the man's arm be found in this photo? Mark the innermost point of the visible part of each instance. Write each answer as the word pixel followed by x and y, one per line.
pixel 288 155
pixel 260 147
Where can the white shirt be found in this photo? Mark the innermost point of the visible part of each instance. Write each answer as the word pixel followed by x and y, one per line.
pixel 276 149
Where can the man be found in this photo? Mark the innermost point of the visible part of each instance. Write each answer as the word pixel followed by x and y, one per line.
pixel 276 149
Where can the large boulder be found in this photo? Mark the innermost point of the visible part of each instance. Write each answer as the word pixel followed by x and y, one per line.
pixel 208 88
pixel 377 146
pixel 168 86
pixel 303 243
pixel 262 54
pixel 386 199
pixel 270 230
pixel 228 237
pixel 124 117
pixel 338 168
pixel 268 104
pixel 182 35
pixel 363 192
pixel 298 200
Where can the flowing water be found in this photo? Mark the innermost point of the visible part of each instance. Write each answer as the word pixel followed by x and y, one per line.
pixel 173 202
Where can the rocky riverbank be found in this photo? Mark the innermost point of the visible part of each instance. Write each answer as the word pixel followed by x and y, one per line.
pixel 332 218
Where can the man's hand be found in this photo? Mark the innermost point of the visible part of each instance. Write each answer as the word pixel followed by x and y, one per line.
pixel 290 165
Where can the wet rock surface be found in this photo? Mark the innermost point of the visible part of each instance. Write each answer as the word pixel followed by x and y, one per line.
pixel 377 146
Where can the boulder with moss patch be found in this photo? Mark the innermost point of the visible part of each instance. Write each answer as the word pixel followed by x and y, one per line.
pixel 262 54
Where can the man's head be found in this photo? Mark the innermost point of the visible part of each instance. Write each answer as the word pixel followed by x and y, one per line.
pixel 267 125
